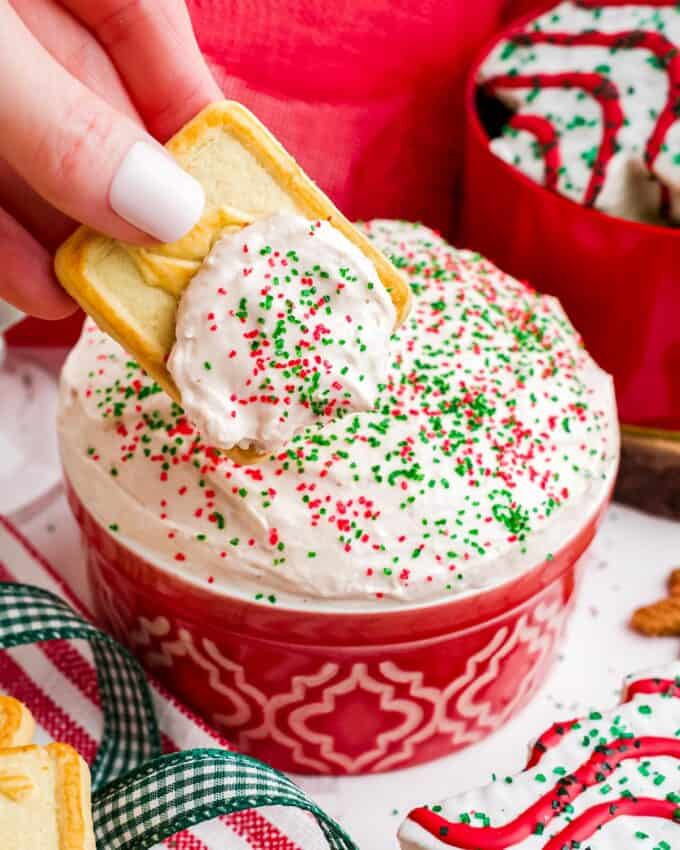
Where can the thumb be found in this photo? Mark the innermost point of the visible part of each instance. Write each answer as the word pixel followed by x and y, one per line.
pixel 91 162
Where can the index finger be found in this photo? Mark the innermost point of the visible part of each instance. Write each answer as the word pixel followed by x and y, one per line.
pixel 152 45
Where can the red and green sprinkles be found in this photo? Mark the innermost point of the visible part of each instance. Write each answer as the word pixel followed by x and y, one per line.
pixel 284 336
pixel 490 420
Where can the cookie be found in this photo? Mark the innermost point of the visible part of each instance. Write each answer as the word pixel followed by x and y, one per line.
pixel 661 618
pixel 608 781
pixel 45 799
pixel 133 293
pixel 16 723
pixel 593 91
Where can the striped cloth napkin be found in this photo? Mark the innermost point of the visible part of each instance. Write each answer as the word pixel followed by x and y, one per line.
pixel 57 679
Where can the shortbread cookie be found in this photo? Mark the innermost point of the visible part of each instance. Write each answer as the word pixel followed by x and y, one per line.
pixel 594 90
pixel 16 723
pixel 609 781
pixel 133 293
pixel 44 799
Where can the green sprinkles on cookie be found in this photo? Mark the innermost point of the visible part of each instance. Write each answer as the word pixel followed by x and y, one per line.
pixel 607 794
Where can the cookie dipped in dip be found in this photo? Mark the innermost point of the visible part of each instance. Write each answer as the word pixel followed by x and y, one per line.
pixel 285 326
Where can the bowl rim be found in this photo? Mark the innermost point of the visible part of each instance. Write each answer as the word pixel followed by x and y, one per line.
pixel 560 562
pixel 476 132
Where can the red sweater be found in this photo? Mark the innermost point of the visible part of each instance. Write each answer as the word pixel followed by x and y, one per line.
pixel 366 94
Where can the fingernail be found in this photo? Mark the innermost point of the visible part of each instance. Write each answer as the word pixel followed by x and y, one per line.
pixel 150 191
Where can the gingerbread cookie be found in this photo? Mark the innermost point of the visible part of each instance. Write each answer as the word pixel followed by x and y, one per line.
pixel 661 618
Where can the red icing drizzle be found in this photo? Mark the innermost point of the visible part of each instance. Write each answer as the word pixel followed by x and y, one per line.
pixel 553 736
pixel 549 739
pixel 602 762
pixel 653 686
pixel 603 90
pixel 547 138
pixel 595 770
pixel 584 826
pixel 664 50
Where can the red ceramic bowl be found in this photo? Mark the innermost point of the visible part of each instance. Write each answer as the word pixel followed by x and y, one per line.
pixel 619 281
pixel 337 692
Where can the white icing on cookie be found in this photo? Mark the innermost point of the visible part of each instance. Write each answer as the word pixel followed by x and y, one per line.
pixel 617 770
pixel 638 70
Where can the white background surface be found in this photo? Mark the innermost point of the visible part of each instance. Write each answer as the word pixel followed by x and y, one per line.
pixel 627 566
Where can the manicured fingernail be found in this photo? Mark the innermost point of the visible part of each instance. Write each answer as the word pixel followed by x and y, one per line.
pixel 151 192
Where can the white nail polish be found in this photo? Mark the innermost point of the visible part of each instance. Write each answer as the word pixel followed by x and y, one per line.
pixel 150 191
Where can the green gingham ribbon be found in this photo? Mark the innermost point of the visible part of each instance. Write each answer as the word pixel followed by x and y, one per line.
pixel 141 796
pixel 130 736
pixel 178 791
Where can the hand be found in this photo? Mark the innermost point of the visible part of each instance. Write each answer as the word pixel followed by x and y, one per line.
pixel 86 89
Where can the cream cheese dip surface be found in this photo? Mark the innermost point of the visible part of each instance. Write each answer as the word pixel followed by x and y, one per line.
pixel 286 325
